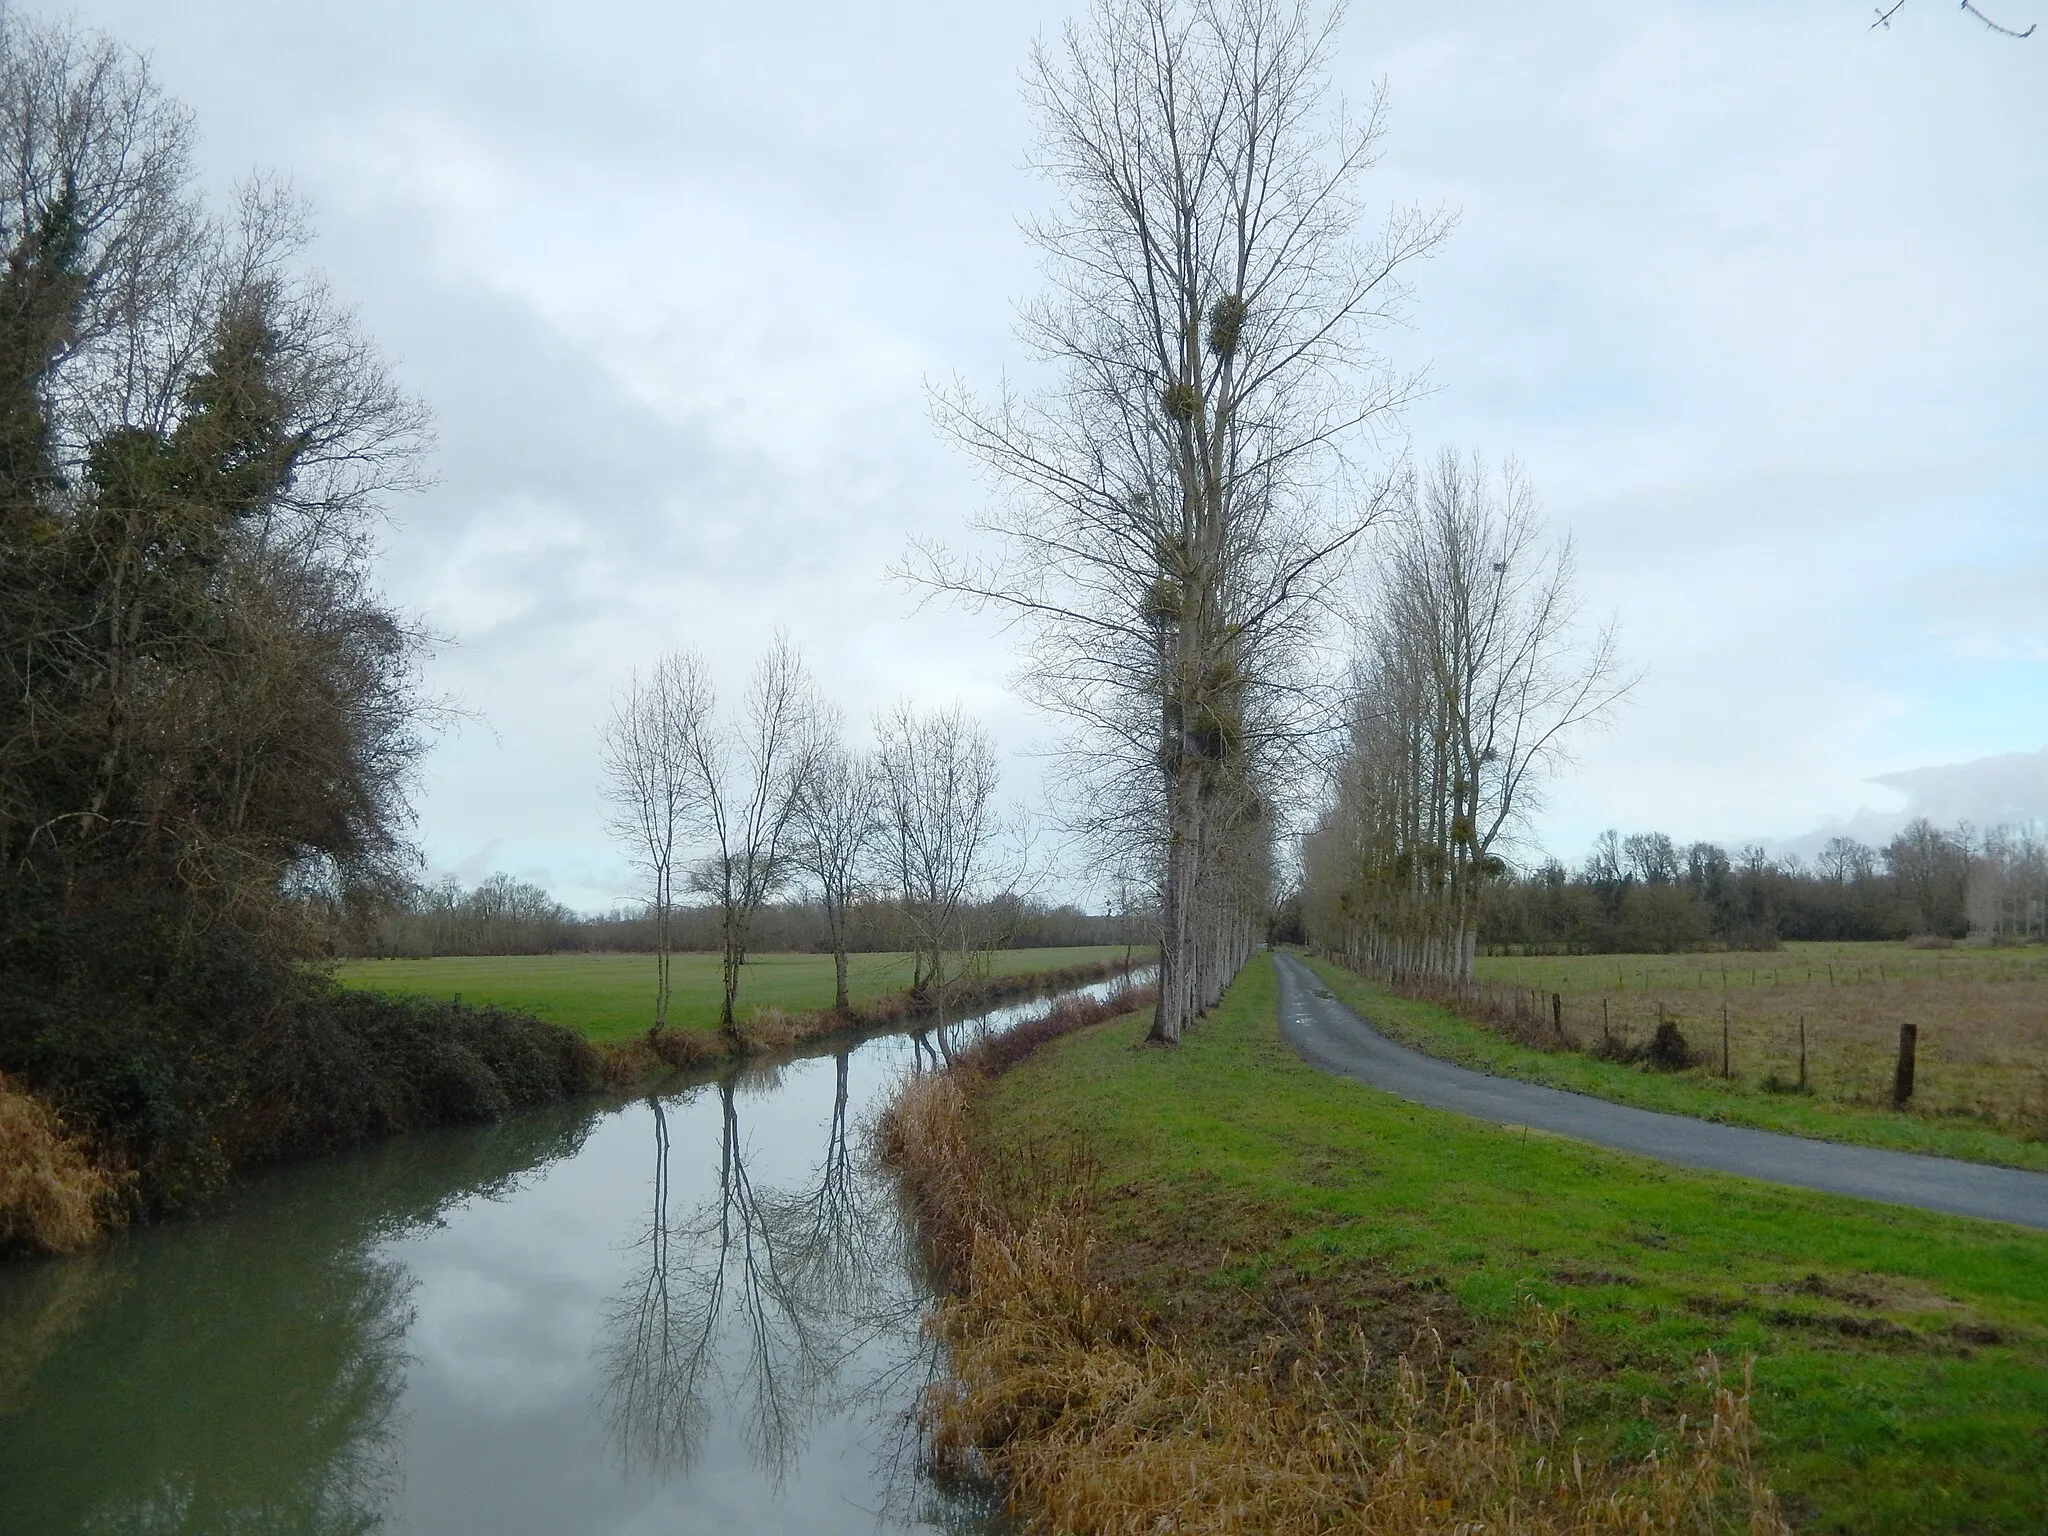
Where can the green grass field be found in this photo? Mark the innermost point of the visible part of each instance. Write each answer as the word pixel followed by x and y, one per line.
pixel 1901 1357
pixel 1797 964
pixel 1982 1090
pixel 608 997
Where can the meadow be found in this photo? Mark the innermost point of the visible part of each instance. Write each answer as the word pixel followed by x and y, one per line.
pixel 1795 964
pixel 1242 1197
pixel 611 996
pixel 1981 1080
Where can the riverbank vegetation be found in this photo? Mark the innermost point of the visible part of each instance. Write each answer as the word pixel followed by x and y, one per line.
pixel 53 1198
pixel 1192 1241
pixel 1812 1038
pixel 605 997
pixel 1102 1412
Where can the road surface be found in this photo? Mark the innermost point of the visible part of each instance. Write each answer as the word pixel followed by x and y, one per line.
pixel 1329 1035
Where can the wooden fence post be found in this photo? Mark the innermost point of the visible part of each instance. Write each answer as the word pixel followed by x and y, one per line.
pixel 1724 1040
pixel 1802 1053
pixel 1557 1014
pixel 1902 1079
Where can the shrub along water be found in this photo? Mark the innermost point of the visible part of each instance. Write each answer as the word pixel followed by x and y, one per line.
pixel 192 1059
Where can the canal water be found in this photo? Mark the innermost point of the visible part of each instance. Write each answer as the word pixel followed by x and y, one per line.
pixel 697 1312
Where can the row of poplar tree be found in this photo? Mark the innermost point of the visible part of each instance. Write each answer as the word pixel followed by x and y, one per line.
pixel 1181 509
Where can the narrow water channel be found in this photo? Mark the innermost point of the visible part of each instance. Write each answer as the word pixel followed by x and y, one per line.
pixel 698 1312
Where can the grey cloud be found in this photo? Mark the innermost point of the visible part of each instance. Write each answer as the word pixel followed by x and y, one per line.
pixel 1752 293
pixel 2007 789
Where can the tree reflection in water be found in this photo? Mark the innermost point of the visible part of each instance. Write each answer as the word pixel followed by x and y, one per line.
pixel 761 1299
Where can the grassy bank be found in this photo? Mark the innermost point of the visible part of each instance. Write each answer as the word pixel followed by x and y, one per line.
pixel 1848 1105
pixel 1242 1198
pixel 611 997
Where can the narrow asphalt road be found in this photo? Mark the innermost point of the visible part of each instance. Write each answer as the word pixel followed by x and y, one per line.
pixel 1329 1035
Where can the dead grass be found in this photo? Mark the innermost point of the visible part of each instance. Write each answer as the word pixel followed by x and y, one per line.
pixel 1096 1421
pixel 53 1197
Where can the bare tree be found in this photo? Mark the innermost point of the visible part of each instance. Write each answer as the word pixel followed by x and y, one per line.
pixel 1886 13
pixel 838 818
pixel 1178 500
pixel 2008 884
pixel 1469 678
pixel 1932 870
pixel 1652 857
pixel 715 1302
pixel 1844 860
pixel 752 776
pixel 937 776
pixel 652 786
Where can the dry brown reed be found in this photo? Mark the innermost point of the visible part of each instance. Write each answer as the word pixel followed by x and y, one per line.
pixel 1096 1423
pixel 53 1197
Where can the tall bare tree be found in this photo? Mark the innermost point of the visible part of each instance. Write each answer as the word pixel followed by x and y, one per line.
pixel 937 775
pixel 1470 676
pixel 1175 503
pixel 838 820
pixel 653 788
pixel 751 774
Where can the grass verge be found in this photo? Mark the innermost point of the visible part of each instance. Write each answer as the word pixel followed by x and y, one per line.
pixel 1699 1091
pixel 1102 1417
pixel 1246 1206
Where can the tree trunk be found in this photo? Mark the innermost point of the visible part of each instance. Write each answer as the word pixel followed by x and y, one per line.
pixel 1171 1012
pixel 663 940
pixel 734 953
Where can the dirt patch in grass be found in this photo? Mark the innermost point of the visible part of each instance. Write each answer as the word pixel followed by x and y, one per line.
pixel 1199 1270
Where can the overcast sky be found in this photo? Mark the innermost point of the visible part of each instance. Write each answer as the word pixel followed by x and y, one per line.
pixel 1755 293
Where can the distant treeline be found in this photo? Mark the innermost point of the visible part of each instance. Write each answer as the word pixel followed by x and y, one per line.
pixel 1646 893
pixel 505 916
